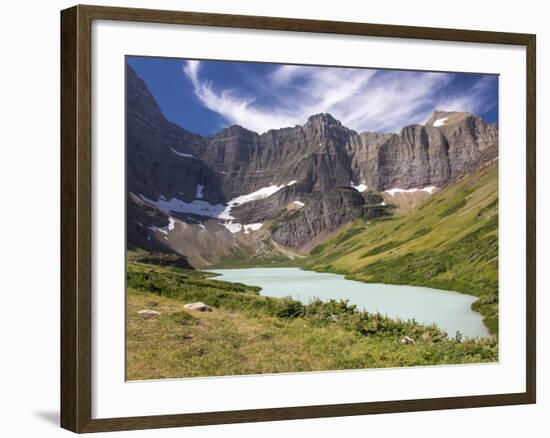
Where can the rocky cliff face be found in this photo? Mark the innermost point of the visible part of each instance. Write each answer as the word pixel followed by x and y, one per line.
pixel 221 183
pixel 424 155
pixel 323 154
pixel 160 159
pixel 315 154
pixel 416 157
pixel 323 214
pixel 468 138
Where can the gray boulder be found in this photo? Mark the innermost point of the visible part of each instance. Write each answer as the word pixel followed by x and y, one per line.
pixel 148 312
pixel 198 306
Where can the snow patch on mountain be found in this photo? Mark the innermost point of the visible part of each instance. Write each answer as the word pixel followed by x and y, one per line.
pixel 199 194
pixel 233 227
pixel 175 205
pixel 253 227
pixel 166 229
pixel 360 188
pixel 429 189
pixel 440 122
pixel 171 223
pixel 262 193
pixel 199 207
pixel 182 154
pixel 159 229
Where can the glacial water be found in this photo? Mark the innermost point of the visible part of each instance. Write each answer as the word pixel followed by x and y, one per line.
pixel 450 311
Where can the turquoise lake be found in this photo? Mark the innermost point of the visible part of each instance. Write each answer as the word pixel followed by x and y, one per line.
pixel 451 311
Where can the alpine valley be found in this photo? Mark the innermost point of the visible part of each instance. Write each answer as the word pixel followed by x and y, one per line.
pixel 417 207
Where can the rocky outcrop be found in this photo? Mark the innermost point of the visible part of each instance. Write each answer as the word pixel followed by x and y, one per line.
pixel 417 157
pixel 364 157
pixel 324 213
pixel 265 209
pixel 468 137
pixel 375 207
pixel 160 159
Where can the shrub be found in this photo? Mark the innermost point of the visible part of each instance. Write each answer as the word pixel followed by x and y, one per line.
pixel 330 310
pixel 289 308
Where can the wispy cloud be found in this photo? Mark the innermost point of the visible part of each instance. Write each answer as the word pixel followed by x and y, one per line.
pixel 233 105
pixel 363 99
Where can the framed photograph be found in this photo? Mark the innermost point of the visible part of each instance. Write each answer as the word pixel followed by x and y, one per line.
pixel 269 219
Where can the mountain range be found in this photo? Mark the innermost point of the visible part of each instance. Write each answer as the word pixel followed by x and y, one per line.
pixel 280 193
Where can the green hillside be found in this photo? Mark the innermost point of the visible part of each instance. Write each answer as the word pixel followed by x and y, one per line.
pixel 450 242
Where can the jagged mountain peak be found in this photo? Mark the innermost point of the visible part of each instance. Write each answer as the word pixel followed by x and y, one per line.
pixel 323 118
pixel 320 119
pixel 236 129
pixel 441 118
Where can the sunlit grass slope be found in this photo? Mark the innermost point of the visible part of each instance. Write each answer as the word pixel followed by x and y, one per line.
pixel 450 242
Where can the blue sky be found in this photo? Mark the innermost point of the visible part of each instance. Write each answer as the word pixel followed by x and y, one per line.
pixel 206 96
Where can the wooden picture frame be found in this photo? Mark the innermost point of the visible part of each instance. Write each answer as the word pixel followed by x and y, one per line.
pixel 76 217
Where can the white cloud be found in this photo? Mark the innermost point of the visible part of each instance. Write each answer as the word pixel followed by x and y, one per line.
pixel 360 98
pixel 192 70
pixel 234 106
pixel 400 99
pixel 286 73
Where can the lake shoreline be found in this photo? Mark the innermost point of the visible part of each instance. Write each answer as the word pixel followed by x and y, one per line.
pixel 394 302
pixel 352 277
